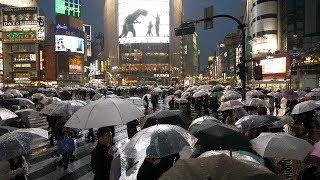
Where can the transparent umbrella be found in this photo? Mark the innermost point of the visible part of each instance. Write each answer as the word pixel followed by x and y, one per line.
pixel 281 145
pixel 6 114
pixel 255 121
pixel 230 95
pixel 6 129
pixel 305 106
pixel 159 141
pixel 37 96
pixel 256 102
pixel 19 142
pixel 24 102
pixel 315 94
pixel 254 94
pixel 63 108
pixel 228 105
pixel 203 123
pixel 49 100
pixel 200 94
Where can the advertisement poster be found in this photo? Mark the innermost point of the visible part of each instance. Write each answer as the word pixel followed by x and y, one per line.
pixel 16 17
pixel 75 65
pixel 143 21
pixel 19 36
pixel 69 43
pixel 274 65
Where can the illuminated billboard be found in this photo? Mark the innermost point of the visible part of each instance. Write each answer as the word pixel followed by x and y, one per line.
pixel 274 65
pixel 68 7
pixel 69 43
pixel 143 21
pixel 19 3
pixel 75 65
pixel 18 17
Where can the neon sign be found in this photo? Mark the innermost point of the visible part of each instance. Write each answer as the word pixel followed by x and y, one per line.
pixel 68 7
pixel 19 36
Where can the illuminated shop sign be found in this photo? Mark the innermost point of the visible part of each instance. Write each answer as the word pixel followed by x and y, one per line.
pixel 68 7
pixel 19 3
pixel 17 17
pixel 62 29
pixel 75 65
pixel 161 75
pixel 19 36
pixel 41 31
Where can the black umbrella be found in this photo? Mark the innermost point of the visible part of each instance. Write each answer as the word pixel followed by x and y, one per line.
pixel 250 122
pixel 217 167
pixel 9 102
pixel 220 136
pixel 173 117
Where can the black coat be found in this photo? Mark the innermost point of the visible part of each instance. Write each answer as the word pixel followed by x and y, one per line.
pixel 101 162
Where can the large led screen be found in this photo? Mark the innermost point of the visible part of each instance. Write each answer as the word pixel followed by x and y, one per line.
pixel 143 21
pixel 69 43
pixel 274 65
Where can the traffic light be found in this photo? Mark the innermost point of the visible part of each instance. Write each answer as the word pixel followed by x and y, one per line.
pixel 241 70
pixel 257 72
pixel 185 29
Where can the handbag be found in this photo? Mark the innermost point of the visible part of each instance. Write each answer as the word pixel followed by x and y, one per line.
pixel 66 146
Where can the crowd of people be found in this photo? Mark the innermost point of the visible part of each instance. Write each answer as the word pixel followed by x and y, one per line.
pixel 292 112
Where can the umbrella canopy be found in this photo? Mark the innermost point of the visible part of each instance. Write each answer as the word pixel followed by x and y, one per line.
pixel 256 102
pixel 219 136
pixel 49 100
pixel 104 112
pixel 301 93
pixel 217 167
pixel 278 95
pixel 200 94
pixel 24 102
pixel 217 88
pixel 283 121
pixel 6 129
pixel 205 87
pixel 254 94
pixel 228 105
pixel 290 95
pixel 37 96
pixel 305 106
pixel 14 92
pixel 240 155
pixel 173 117
pixel 27 112
pixel 316 90
pixel 136 101
pixel 281 145
pixel 159 141
pixel 202 123
pixel 250 122
pixel 97 96
pixel 181 101
pixel 6 114
pixel 230 95
pixel 316 150
pixel 146 95
pixel 315 94
pixel 63 108
pixel 178 92
pixel 20 141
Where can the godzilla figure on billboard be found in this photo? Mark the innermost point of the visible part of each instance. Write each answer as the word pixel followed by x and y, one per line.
pixel 129 22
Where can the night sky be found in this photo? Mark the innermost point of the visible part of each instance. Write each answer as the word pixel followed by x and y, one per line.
pixel 92 12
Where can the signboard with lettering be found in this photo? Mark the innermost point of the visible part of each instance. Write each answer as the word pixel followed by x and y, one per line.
pixel 41 31
pixel 17 17
pixel 68 7
pixel 62 29
pixel 19 36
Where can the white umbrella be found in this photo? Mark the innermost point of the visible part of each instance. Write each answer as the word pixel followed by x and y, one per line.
pixel 6 114
pixel 63 108
pixel 281 145
pixel 200 94
pixel 232 104
pixel 105 112
pixel 255 102
pixel 305 107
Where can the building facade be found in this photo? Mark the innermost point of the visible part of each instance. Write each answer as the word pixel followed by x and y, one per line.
pixel 191 56
pixel 147 52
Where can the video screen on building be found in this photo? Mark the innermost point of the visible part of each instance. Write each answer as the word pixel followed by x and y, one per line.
pixel 274 65
pixel 75 65
pixel 143 21
pixel 69 43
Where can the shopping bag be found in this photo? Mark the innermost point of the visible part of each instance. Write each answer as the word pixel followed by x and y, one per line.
pixel 66 146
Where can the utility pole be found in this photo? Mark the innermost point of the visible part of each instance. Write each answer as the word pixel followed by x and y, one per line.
pixel 189 28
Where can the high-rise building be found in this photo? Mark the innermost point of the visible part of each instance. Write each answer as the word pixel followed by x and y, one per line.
pixel 191 55
pixel 140 44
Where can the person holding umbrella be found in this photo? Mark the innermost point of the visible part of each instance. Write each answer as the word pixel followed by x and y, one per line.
pixel 102 155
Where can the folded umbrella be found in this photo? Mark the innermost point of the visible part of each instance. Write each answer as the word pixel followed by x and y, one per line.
pixel 217 167
pixel 305 106
pixel 104 112
pixel 159 141
pixel 20 141
pixel 281 145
